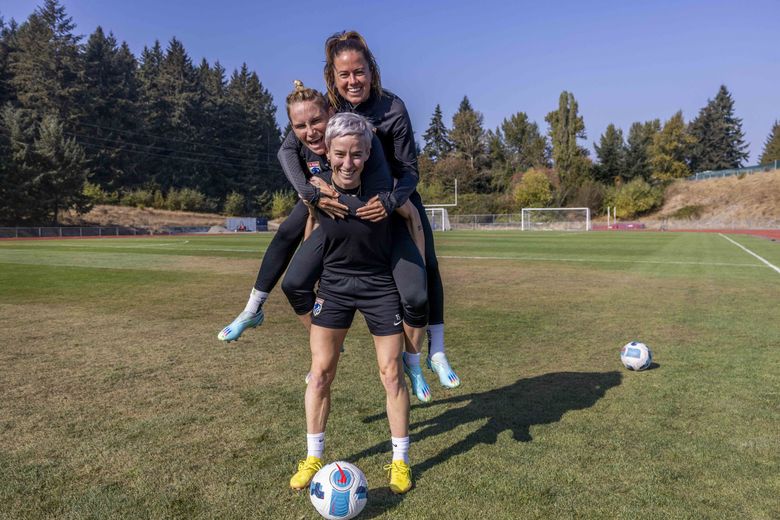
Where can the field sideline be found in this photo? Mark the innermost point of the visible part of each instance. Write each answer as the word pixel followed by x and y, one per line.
pixel 119 402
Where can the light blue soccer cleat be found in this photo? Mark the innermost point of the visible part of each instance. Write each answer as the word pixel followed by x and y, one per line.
pixel 420 386
pixel 245 320
pixel 447 376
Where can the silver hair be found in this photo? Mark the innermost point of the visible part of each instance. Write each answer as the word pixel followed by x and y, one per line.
pixel 346 123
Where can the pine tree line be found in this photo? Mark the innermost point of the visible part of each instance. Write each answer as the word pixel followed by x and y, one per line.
pixel 491 165
pixel 75 112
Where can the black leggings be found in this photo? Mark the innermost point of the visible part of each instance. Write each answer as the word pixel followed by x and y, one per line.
pixel 282 248
pixel 435 286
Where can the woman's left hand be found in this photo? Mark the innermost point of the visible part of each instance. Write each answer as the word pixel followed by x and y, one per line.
pixel 373 211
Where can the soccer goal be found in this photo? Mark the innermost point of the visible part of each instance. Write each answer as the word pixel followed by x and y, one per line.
pixel 439 219
pixel 555 219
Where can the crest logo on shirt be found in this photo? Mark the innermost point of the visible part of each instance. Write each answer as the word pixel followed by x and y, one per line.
pixel 314 167
pixel 317 306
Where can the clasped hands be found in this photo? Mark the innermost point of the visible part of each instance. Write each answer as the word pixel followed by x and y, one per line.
pixel 373 211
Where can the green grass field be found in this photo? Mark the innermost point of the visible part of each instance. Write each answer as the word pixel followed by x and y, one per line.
pixel 119 402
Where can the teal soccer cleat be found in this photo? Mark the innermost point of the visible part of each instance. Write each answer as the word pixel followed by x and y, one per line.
pixel 420 387
pixel 245 320
pixel 447 376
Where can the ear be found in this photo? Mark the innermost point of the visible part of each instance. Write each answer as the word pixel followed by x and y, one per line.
pixel 331 111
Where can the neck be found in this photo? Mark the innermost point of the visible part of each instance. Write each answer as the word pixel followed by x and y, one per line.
pixel 343 189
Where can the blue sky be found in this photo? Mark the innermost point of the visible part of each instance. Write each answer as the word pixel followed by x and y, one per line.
pixel 624 61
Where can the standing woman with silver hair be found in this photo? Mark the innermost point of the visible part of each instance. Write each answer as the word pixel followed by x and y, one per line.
pixel 356 276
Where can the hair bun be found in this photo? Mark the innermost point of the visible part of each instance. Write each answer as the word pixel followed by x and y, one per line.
pixel 298 84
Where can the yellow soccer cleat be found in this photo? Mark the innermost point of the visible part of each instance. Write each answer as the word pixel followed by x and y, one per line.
pixel 400 476
pixel 306 471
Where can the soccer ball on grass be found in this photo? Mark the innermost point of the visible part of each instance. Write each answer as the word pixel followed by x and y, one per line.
pixel 636 356
pixel 339 491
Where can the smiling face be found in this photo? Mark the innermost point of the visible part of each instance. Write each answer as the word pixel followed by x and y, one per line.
pixel 353 76
pixel 347 156
pixel 309 120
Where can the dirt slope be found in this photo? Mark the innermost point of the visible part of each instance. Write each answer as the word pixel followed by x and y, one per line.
pixel 752 201
pixel 136 217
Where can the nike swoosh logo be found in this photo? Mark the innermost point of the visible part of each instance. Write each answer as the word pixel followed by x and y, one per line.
pixel 397 322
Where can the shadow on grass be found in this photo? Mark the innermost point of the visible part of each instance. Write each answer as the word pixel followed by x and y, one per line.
pixel 515 408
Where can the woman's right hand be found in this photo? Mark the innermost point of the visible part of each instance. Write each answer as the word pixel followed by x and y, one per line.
pixel 328 202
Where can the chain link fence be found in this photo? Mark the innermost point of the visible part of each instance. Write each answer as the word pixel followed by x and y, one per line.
pixel 98 231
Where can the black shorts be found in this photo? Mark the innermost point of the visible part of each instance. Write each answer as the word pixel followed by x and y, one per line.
pixel 375 296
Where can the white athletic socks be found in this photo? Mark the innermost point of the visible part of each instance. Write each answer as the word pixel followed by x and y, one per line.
pixel 256 300
pixel 412 360
pixel 435 339
pixel 315 444
pixel 400 448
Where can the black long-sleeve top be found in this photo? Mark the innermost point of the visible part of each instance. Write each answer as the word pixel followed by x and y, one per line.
pixel 388 114
pixel 299 163
pixel 393 127
pixel 353 246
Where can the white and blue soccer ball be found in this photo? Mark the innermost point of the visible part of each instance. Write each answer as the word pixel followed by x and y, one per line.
pixel 339 491
pixel 636 356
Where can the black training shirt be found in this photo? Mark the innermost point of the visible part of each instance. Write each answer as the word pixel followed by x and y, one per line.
pixel 353 246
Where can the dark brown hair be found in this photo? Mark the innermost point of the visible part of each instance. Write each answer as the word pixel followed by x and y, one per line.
pixel 348 41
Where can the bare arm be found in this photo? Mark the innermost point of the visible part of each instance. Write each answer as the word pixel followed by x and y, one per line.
pixel 312 222
pixel 409 212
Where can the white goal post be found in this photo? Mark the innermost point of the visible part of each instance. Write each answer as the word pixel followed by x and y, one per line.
pixel 439 219
pixel 555 219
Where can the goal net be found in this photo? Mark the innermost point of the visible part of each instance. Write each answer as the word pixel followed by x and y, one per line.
pixel 555 219
pixel 439 219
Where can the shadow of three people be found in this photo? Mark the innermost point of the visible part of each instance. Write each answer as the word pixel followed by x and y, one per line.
pixel 527 402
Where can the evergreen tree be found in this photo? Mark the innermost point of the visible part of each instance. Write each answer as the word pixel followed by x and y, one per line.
pixel 498 172
pixel 718 138
pixel 637 158
pixel 60 170
pixel 169 97
pixel 771 151
pixel 468 136
pixel 497 152
pixel 527 146
pixel 41 170
pixel 7 46
pixel 611 154
pixel 45 63
pixel 256 135
pixel 215 132
pixel 108 121
pixel 569 158
pixel 668 154
pixel 437 141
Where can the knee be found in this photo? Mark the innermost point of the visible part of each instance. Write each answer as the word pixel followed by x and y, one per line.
pixel 415 300
pixel 320 380
pixel 289 286
pixel 392 377
pixel 288 232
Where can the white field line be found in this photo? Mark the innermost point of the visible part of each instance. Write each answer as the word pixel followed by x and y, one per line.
pixel 594 260
pixel 771 266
